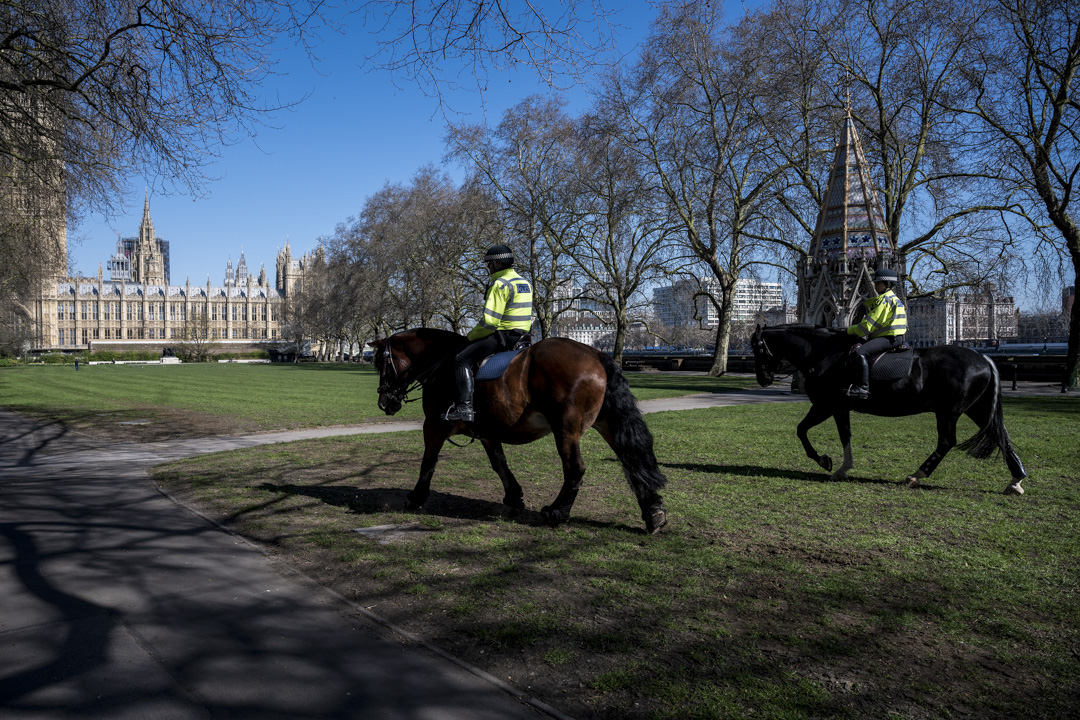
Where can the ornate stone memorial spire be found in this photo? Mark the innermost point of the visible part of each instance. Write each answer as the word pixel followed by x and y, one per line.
pixel 850 241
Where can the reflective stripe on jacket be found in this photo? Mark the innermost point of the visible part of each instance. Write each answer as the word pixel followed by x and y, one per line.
pixel 507 305
pixel 885 317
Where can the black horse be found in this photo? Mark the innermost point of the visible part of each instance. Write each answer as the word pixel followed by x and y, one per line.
pixel 946 380
pixel 556 386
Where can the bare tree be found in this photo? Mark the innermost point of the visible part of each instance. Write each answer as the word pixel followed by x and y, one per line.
pixel 194 340
pixel 900 66
pixel 1028 108
pixel 436 44
pixel 531 163
pixel 623 245
pixel 412 257
pixel 693 110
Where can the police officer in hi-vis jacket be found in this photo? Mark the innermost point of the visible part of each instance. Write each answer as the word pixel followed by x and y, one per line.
pixel 507 316
pixel 882 329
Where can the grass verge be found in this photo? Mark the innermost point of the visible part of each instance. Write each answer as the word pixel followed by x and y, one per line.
pixel 773 594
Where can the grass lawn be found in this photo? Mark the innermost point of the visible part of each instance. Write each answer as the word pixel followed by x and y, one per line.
pixel 231 398
pixel 773 593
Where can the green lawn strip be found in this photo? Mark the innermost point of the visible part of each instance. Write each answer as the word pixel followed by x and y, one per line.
pixel 260 397
pixel 774 593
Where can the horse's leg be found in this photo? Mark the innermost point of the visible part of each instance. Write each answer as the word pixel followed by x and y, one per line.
pixel 433 442
pixel 569 445
pixel 1017 469
pixel 815 417
pixel 639 465
pixel 843 427
pixel 513 497
pixel 946 434
pixel 988 416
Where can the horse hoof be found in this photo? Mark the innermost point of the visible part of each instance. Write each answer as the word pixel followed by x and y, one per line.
pixel 655 521
pixel 825 462
pixel 412 504
pixel 912 482
pixel 1014 489
pixel 552 517
pixel 838 476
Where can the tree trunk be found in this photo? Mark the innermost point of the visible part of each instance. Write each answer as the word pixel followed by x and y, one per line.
pixel 1073 353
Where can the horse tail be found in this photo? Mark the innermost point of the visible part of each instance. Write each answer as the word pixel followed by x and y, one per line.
pixel 630 436
pixel 993 435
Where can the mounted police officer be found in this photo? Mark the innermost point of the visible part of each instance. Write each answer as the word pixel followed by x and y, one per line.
pixel 507 316
pixel 883 328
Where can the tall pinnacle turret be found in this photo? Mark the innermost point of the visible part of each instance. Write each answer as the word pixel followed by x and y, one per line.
pixel 849 243
pixel 850 223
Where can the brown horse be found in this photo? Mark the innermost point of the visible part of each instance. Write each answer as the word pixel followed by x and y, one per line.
pixel 556 386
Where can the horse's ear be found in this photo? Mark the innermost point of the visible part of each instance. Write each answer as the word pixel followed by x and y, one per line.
pixel 375 343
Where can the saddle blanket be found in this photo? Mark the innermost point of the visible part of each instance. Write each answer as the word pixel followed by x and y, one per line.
pixel 495 365
pixel 891 366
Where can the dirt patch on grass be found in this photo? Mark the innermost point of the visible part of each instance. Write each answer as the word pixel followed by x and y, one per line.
pixel 154 424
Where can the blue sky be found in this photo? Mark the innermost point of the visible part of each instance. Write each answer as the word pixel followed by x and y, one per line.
pixel 314 168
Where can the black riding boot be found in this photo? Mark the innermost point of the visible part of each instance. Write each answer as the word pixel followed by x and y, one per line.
pixel 463 408
pixel 861 389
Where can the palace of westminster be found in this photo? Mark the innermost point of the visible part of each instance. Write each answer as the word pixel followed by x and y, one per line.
pixel 138 308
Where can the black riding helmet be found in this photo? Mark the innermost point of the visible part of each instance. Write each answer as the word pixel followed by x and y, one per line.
pixel 501 255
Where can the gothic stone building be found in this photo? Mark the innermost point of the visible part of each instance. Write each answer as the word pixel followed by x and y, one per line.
pixel 137 308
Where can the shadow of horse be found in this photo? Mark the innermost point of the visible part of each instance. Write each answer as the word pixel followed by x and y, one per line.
pixel 757 471
pixel 370 501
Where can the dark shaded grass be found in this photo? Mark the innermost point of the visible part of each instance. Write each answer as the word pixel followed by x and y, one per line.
pixel 774 593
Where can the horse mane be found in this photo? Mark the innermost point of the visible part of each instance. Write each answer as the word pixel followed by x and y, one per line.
pixel 816 331
pixel 827 345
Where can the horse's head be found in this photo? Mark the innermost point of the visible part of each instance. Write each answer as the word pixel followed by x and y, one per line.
pixel 393 369
pixel 765 363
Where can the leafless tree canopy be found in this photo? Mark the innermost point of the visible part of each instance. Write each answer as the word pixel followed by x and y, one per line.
pixel 444 45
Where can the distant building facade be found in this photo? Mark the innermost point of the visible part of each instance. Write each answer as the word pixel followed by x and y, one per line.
pixel 137 308
pixel 683 303
pixel 975 318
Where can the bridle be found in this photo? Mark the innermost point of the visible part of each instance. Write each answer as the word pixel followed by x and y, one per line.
pixel 767 361
pixel 396 384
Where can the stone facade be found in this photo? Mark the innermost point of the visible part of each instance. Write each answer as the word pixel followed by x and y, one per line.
pixel 978 319
pixel 137 309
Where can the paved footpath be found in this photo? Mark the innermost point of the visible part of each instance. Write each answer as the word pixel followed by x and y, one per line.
pixel 117 603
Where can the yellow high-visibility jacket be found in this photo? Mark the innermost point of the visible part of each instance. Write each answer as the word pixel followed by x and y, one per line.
pixel 507 305
pixel 885 317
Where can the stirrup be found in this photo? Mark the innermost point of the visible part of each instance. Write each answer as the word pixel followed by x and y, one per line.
pixel 459 412
pixel 859 392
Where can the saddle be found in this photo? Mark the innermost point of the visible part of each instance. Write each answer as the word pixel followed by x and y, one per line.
pixel 493 366
pixel 892 365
